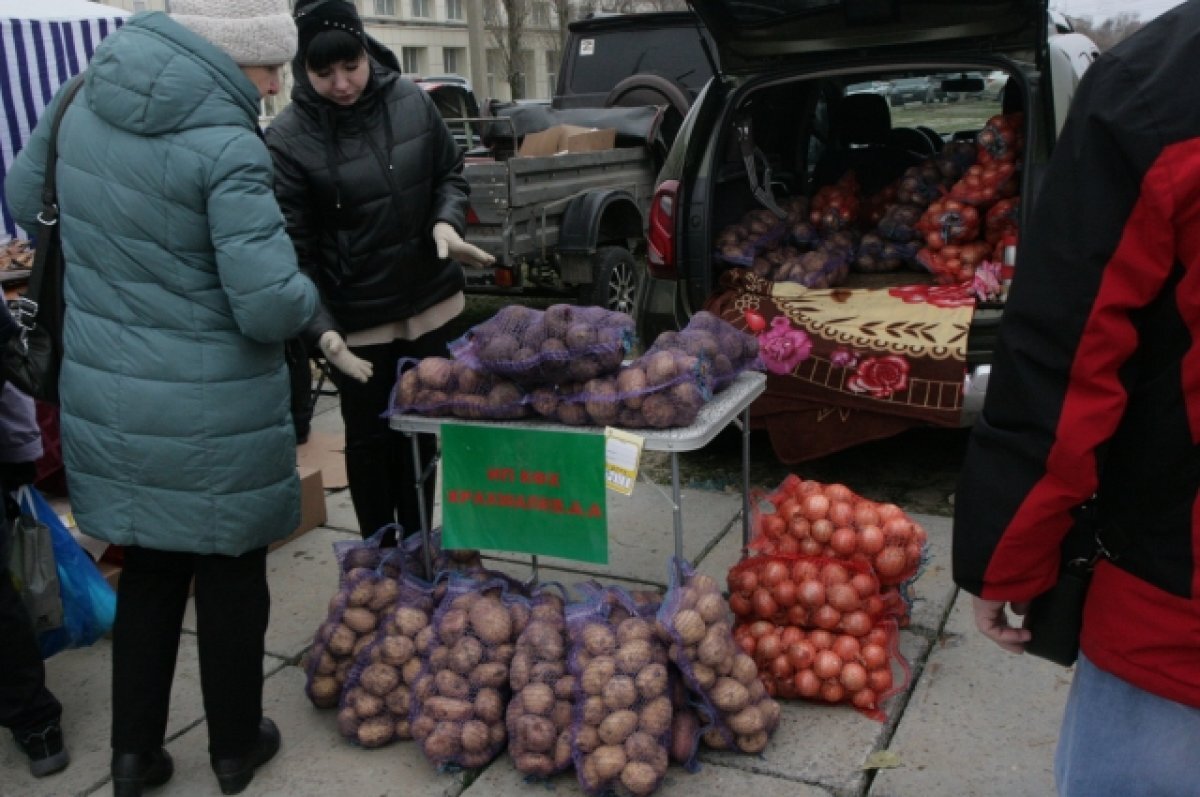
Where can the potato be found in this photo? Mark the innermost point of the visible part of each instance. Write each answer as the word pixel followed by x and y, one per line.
pixel 444 743
pixel 620 693
pixel 597 674
pixel 703 675
pixel 489 706
pixel 439 658
pixel 602 404
pixel 711 607
pixel 599 639
pixel 386 592
pixel 633 656
pixel 545 641
pixel 631 384
pixel 729 696
pixel 450 684
pixel 398 701
pixel 490 674
pixel 658 411
pixel 365 704
pixel 341 641
pixel 747 721
pixel 324 691
pixel 424 639
pixel 465 655
pixel 410 671
pixel 500 653
pixel 651 681
pixel 587 739
pixel 362 591
pixel 744 670
pixel 376 732
pixel 408 620
pixel 640 778
pixel 685 731
pixel 716 647
pixel 536 764
pixel 343 670
pixel 436 373
pixel 448 709
pixel 641 746
pixel 655 716
pixel 689 625
pixel 452 626
pixel 547 672
pixel 422 726
pixel 475 736
pixel 348 722
pixel 396 650
pixel 593 711
pixel 609 761
pixel 562 751
pixel 634 628
pixel 359 620
pixel 713 738
pixel 753 742
pixel 362 643
pixel 617 726
pixel 564 688
pixel 379 679
pixel 538 699
pixel 562 714
pixel 535 734
pixel 518 672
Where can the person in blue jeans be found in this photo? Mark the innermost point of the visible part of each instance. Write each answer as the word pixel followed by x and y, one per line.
pixel 1095 397
pixel 27 707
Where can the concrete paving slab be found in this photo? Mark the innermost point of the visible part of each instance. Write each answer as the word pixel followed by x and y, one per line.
pixel 500 779
pixel 824 745
pixel 82 682
pixel 313 759
pixel 339 511
pixel 303 577
pixel 980 722
pixel 641 532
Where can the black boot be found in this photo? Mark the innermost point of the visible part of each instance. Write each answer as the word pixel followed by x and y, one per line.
pixel 132 772
pixel 235 774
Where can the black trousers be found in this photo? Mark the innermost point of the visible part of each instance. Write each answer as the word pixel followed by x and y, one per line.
pixel 378 459
pixel 25 703
pixel 232 608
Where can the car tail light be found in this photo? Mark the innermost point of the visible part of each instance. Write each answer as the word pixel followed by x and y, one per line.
pixel 661 238
pixel 472 216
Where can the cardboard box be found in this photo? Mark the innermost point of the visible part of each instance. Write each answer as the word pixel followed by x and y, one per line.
pixel 566 138
pixel 312 514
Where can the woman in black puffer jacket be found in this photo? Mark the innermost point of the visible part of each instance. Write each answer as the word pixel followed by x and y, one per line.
pixel 370 182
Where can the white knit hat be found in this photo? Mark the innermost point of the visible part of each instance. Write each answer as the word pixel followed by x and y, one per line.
pixel 252 32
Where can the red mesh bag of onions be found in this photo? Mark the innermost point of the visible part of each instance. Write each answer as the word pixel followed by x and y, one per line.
pixel 547 347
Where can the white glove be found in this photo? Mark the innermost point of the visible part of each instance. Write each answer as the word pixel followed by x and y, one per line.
pixel 450 244
pixel 337 352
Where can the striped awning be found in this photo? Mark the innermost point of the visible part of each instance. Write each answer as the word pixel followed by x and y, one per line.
pixel 38 56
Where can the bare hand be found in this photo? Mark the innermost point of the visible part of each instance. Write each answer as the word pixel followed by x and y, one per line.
pixel 335 350
pixel 992 620
pixel 450 245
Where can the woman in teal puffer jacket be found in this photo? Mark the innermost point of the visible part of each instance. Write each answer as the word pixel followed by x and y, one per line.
pixel 181 286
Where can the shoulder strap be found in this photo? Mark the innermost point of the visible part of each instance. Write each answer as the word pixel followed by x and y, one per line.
pixel 48 218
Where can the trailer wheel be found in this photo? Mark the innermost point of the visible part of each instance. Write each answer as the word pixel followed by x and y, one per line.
pixel 615 280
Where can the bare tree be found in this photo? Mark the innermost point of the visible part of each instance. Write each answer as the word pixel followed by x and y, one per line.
pixel 507 21
pixel 562 13
pixel 1110 31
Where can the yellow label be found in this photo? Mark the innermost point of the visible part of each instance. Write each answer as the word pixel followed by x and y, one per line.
pixel 622 455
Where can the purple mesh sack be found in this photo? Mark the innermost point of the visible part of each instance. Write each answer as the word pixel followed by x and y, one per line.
pixel 377 696
pixel 547 347
pixel 622 721
pixel 444 388
pixel 539 714
pixel 710 338
pixel 723 679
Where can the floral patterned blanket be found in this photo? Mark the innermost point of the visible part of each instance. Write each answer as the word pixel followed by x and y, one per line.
pixel 847 366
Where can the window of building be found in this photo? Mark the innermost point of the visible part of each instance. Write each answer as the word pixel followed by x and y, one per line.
pixel 139 5
pixel 451 60
pixel 552 60
pixel 454 9
pixel 495 73
pixel 541 13
pixel 420 8
pixel 385 8
pixel 412 59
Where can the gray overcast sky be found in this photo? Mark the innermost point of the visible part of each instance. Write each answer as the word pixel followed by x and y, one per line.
pixel 1102 9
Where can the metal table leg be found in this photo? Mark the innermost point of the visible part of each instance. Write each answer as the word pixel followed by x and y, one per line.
pixel 677 505
pixel 745 478
pixel 422 512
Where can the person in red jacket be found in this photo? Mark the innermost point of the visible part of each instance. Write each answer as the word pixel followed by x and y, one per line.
pixel 1096 391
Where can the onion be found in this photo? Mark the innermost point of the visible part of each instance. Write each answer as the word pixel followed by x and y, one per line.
pixel 797 615
pixel 781 667
pixel 865 514
pixel 822 640
pixel 842 597
pixel 799 527
pixel 844 541
pixel 810 547
pixel 890 563
pixel 857 623
pixel 772 573
pixel 807 683
pixel 841 513
pixel 801 655
pixel 760 628
pixel 815 506
pixel 773 526
pixel 864 699
pixel 826 617
pixel 769 647
pixel 827 664
pixel 785 593
pixel 880 680
pixel 788 545
pixel 834 573
pixel 847 647
pixel 787 510
pixel 874 656
pixel 804 569
pixel 790 635
pixel 821 530
pixel 838 492
pixel 853 676
pixel 864 585
pixel 745 581
pixel 870 539
pixel 832 692
pixel 764 605
pixel 812 593
pixel 739 604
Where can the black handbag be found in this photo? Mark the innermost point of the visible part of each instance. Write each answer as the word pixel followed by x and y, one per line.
pixel 1055 618
pixel 31 358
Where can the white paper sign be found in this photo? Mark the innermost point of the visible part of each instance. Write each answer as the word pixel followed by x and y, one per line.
pixel 622 456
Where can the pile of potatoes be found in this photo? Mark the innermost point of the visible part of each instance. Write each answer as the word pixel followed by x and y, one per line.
pixel 350 625
pixel 451 388
pixel 539 714
pixel 463 687
pixel 377 697
pixel 658 390
pixel 697 620
pixel 547 347
pixel 623 711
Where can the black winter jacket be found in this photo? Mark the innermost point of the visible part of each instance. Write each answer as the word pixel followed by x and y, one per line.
pixel 1096 384
pixel 361 188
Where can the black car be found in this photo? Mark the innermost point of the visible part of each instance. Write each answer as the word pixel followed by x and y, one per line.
pixel 921 89
pixel 773 126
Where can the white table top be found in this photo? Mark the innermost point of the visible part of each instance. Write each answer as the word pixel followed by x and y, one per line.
pixel 714 416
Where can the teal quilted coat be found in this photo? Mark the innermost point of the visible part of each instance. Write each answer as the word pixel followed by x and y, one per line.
pixel 181 287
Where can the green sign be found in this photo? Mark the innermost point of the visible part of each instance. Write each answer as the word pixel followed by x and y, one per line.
pixel 520 490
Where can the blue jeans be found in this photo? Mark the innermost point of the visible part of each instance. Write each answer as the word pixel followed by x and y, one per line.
pixel 1120 741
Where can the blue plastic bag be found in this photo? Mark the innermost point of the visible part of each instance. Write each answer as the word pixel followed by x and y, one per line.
pixel 89 603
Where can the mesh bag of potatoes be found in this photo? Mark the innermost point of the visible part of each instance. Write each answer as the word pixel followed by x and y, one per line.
pixel 460 694
pixel 727 350
pixel 547 347
pixel 697 621
pixel 363 596
pixel 661 390
pixel 444 388
pixel 689 722
pixel 622 726
pixel 377 696
pixel 540 710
